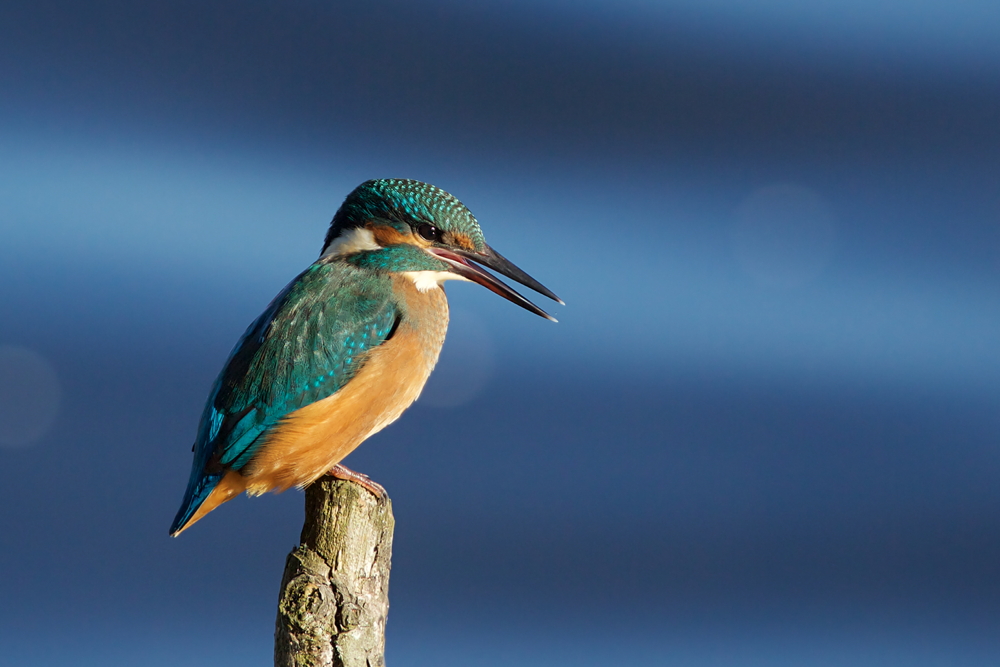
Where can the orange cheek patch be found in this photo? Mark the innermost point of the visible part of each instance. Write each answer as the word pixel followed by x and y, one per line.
pixel 387 236
pixel 462 241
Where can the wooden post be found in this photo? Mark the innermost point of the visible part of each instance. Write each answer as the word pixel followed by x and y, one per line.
pixel 334 593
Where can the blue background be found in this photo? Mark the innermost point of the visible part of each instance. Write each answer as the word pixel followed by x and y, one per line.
pixel 765 430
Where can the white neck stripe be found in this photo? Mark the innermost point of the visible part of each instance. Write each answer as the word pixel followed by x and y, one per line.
pixel 428 280
pixel 356 239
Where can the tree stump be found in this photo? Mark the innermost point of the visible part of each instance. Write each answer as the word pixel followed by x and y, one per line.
pixel 334 593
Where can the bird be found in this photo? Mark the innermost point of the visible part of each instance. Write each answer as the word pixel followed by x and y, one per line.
pixel 344 348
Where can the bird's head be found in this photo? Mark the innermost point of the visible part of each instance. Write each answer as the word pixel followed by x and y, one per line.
pixel 417 229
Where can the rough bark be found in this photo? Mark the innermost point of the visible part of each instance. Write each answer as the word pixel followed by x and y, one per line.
pixel 334 593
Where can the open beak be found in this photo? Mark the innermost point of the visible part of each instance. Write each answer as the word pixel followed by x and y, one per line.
pixel 460 262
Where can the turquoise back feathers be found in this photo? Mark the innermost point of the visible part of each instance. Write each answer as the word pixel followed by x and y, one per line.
pixel 308 343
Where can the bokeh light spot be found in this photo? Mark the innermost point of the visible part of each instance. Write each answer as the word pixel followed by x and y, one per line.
pixel 29 396
pixel 466 365
pixel 784 235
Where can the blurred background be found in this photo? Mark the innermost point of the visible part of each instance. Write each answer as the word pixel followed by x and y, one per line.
pixel 764 432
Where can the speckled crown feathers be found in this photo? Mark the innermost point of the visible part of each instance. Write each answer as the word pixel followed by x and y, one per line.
pixel 401 201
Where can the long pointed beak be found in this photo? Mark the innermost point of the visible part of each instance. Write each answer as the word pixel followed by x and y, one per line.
pixel 461 263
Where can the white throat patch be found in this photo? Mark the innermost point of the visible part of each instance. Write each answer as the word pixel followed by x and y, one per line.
pixel 428 280
pixel 351 241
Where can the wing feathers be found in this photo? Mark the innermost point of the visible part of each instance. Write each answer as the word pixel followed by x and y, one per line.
pixel 310 341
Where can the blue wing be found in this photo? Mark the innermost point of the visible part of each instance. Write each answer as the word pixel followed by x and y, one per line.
pixel 309 342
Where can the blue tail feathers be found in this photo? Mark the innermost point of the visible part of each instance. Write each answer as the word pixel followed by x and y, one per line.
pixel 199 488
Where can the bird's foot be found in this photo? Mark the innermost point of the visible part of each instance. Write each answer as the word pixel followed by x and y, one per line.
pixel 343 472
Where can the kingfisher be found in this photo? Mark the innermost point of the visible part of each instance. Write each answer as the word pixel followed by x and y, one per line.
pixel 344 348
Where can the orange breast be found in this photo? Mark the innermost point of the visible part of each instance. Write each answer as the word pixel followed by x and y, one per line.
pixel 311 440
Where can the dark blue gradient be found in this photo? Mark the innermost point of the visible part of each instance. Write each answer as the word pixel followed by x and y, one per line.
pixel 765 430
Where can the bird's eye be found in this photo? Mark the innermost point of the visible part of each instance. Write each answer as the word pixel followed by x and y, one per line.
pixel 429 232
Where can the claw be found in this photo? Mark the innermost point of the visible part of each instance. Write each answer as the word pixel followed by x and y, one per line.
pixel 343 472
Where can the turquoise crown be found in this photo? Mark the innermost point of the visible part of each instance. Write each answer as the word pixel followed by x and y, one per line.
pixel 405 203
